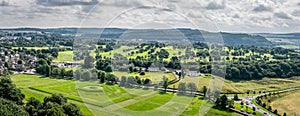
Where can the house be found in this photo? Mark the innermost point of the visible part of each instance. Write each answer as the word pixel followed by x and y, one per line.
pixel 153 69
pixel 193 73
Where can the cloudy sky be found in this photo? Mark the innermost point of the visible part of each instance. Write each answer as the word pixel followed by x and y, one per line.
pixel 213 15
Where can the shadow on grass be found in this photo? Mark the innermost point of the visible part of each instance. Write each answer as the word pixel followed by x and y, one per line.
pixel 223 109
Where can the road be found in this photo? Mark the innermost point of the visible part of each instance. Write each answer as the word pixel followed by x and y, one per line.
pixel 248 101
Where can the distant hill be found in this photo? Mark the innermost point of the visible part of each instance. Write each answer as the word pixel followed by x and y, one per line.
pixel 159 34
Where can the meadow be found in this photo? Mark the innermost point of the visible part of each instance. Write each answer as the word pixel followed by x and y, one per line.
pixel 287 103
pixel 64 56
pixel 101 99
pixel 264 85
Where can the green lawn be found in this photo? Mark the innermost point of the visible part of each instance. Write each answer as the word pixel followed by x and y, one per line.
pixel 65 56
pixel 104 100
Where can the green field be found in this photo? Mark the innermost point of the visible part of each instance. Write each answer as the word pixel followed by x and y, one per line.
pixel 101 99
pixel 65 56
pixel 289 46
pixel 155 77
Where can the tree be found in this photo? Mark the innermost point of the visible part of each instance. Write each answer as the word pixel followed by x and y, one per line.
pixel 142 73
pixel 47 70
pixel 56 98
pixel 20 62
pixel 204 90
pixel 123 81
pixel 6 64
pixel 236 97
pixel 284 114
pixel 9 91
pixel 275 111
pixel 147 81
pixel 192 87
pixel 55 72
pixel 224 100
pixel 33 106
pixel 110 78
pixel 165 83
pixel 101 76
pixel 52 109
pixel 87 75
pixel 253 108
pixel 130 80
pixel 88 62
pixel 10 108
pixel 264 105
pixel 181 88
pixel 72 110
pixel 78 74
pixel 270 108
pixel 62 72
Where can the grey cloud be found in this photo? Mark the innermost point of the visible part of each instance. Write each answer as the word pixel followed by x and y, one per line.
pixel 4 3
pixel 236 16
pixel 299 4
pixel 282 15
pixel 66 2
pixel 263 8
pixel 215 6
pixel 122 3
pixel 296 13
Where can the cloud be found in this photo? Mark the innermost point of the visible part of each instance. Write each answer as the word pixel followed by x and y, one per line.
pixel 122 3
pixel 262 8
pixel 282 15
pixel 66 3
pixel 215 5
pixel 4 3
pixel 296 13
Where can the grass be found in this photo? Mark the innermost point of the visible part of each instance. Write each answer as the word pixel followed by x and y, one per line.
pixel 155 77
pixel 266 84
pixel 289 46
pixel 64 56
pixel 287 102
pixel 246 109
pixel 111 100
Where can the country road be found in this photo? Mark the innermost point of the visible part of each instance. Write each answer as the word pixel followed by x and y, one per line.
pixel 248 100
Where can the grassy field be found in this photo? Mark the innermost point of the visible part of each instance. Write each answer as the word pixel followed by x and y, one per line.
pixel 155 77
pixel 65 56
pixel 289 46
pixel 266 84
pixel 100 99
pixel 288 103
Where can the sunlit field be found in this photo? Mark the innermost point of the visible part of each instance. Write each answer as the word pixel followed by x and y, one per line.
pixel 101 99
pixel 65 56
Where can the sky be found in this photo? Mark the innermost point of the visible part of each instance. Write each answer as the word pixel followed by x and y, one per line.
pixel 251 16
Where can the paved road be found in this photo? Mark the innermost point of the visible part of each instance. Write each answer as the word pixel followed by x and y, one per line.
pixel 248 101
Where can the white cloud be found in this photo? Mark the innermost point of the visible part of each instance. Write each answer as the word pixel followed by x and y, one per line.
pixel 229 15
